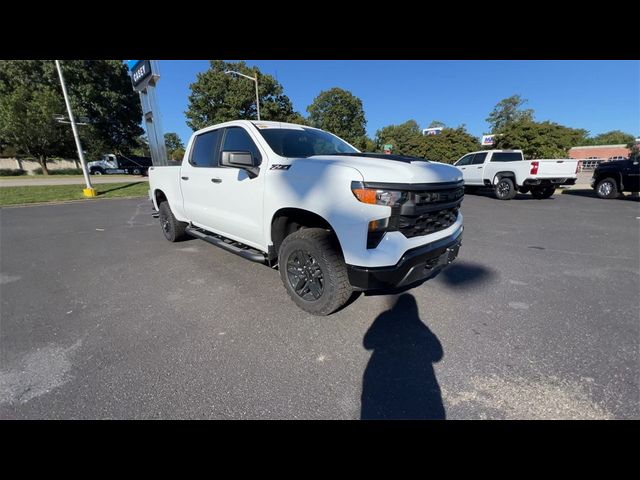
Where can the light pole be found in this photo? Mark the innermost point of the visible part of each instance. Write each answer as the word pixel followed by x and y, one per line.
pixel 89 191
pixel 254 79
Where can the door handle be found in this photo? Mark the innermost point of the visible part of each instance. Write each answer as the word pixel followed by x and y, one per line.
pixel 479 167
pixel 216 180
pixel 185 178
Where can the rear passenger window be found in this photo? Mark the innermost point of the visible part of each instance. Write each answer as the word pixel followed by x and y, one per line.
pixel 204 149
pixel 236 139
pixel 479 158
pixel 506 157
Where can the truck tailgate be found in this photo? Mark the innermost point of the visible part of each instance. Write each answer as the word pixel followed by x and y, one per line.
pixel 556 168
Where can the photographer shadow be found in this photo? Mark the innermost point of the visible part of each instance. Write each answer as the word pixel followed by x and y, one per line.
pixel 399 381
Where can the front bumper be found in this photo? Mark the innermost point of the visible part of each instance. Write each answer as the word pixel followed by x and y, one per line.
pixel 416 265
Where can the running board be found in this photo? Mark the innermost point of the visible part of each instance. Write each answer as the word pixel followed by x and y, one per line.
pixel 228 244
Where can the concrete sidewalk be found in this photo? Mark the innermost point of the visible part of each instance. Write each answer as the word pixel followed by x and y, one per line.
pixel 69 180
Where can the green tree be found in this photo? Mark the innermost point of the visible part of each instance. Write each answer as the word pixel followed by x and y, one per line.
pixel 446 147
pixel 400 136
pixel 614 137
pixel 27 124
pixel 98 89
pixel 141 147
pixel 508 110
pixel 436 123
pixel 175 147
pixel 217 97
pixel 172 141
pixel 340 112
pixel 539 139
pixel 369 145
pixel 634 150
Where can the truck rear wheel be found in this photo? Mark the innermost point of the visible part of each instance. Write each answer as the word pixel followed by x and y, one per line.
pixel 505 190
pixel 542 192
pixel 313 271
pixel 173 229
pixel 607 188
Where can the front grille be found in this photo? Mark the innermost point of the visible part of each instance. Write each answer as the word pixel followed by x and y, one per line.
pixel 429 222
pixel 428 208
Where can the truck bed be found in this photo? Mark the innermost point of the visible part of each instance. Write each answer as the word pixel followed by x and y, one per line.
pixel 552 168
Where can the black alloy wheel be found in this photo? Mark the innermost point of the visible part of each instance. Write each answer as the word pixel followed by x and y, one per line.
pixel 305 275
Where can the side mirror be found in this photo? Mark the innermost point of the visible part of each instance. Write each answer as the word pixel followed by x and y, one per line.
pixel 243 160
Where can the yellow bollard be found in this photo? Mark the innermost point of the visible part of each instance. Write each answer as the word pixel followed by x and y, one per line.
pixel 89 192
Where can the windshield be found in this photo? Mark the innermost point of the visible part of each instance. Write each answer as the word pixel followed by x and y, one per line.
pixel 304 142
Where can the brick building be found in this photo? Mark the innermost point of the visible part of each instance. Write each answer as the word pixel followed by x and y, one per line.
pixel 599 152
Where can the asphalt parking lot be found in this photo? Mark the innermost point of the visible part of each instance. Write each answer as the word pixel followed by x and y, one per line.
pixel 538 318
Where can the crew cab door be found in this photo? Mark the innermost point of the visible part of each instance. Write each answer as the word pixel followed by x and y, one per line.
pixel 199 195
pixel 631 176
pixel 475 169
pixel 463 165
pixel 239 214
pixel 224 200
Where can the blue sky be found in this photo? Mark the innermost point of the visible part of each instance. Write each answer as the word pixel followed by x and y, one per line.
pixel 595 95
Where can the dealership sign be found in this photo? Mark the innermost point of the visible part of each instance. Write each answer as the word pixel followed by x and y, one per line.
pixel 488 140
pixel 432 131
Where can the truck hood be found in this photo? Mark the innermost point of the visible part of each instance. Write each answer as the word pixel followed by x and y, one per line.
pixel 394 168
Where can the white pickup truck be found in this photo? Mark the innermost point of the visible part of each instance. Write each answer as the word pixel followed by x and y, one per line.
pixel 332 219
pixel 507 172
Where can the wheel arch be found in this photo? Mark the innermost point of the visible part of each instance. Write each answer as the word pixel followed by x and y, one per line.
pixel 617 176
pixel 158 197
pixel 288 220
pixel 504 174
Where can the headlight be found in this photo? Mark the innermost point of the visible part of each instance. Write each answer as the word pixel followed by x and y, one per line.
pixel 376 196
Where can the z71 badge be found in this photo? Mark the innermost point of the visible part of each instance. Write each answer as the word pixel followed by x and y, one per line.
pixel 279 166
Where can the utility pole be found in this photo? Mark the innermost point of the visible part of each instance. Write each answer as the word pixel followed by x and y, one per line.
pixel 89 191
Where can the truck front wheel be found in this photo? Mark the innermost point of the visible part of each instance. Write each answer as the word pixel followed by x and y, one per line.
pixel 313 271
pixel 505 189
pixel 173 229
pixel 542 192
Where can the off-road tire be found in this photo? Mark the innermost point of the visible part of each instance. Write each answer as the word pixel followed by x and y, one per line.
pixel 603 192
pixel 173 229
pixel 504 189
pixel 322 247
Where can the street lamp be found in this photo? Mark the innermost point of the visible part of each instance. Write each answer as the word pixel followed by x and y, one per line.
pixel 89 191
pixel 254 79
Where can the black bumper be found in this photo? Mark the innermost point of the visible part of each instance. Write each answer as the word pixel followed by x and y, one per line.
pixel 549 182
pixel 415 265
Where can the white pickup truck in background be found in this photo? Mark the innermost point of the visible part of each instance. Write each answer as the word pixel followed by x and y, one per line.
pixel 334 220
pixel 507 172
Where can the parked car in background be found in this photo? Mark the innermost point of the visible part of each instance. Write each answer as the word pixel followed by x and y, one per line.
pixel 507 173
pixel 610 179
pixel 111 164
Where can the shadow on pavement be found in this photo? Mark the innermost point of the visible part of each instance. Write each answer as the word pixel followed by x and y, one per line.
pixel 119 188
pixel 399 381
pixel 519 196
pixel 465 274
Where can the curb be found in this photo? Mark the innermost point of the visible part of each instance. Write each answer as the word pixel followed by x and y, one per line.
pixel 64 202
